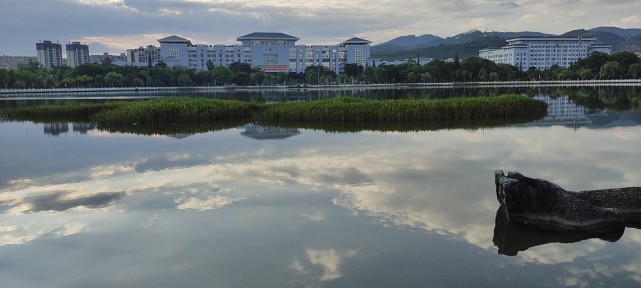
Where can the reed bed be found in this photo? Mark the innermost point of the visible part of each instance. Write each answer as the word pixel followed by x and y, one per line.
pixel 336 110
pixel 349 109
pixel 177 110
pixel 67 111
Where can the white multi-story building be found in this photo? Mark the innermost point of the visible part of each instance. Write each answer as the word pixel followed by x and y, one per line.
pixel 77 54
pixel 145 55
pixel 115 59
pixel 544 52
pixel 49 54
pixel 271 52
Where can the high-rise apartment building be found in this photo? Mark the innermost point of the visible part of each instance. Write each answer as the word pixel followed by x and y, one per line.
pixel 49 54
pixel 77 54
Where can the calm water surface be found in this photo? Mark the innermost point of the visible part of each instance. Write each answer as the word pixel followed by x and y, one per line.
pixel 269 207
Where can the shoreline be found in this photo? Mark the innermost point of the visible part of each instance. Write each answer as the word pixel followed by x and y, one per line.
pixel 445 85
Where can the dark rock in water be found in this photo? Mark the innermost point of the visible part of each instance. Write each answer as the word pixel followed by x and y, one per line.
pixel 547 205
pixel 511 237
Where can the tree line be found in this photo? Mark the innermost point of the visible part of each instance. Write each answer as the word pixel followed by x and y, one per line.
pixel 618 65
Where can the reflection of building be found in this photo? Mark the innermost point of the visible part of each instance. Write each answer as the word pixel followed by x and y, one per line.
pixel 83 128
pixel 49 54
pixel 562 110
pixel 77 54
pixel 259 132
pixel 56 129
pixel 544 52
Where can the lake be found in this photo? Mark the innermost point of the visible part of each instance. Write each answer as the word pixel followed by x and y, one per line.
pixel 256 206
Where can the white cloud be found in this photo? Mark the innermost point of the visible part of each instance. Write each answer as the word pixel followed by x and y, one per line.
pixel 330 261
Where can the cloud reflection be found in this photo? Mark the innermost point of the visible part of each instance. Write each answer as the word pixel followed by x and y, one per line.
pixel 438 181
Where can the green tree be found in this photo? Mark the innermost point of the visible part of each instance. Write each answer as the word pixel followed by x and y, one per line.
pixel 353 69
pixel 282 77
pixel 113 79
pixel 634 71
pixel 222 75
pixel 184 80
pixel 610 70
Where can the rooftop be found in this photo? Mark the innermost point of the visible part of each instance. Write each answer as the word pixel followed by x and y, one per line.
pixel 267 36
pixel 173 39
pixel 355 40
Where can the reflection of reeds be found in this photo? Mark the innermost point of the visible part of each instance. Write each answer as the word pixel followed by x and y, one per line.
pixel 336 114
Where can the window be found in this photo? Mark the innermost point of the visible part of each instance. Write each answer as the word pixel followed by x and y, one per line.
pixel 358 55
pixel 271 59
pixel 174 53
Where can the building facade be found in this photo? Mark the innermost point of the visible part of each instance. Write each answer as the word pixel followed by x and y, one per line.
pixel 49 54
pixel 115 59
pixel 544 52
pixel 77 54
pixel 271 52
pixel 149 54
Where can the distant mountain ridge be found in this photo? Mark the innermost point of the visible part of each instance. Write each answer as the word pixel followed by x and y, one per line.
pixel 432 46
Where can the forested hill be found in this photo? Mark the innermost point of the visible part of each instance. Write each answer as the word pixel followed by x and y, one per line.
pixel 442 51
pixel 467 44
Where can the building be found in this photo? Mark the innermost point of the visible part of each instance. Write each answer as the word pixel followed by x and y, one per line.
pixel 146 55
pixel 269 51
pixel 544 52
pixel 49 54
pixel 115 59
pixel 77 54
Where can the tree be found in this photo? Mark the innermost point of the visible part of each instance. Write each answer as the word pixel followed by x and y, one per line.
pixel 282 77
pixel 222 75
pixel 210 65
pixel 238 67
pixel 113 79
pixel 241 78
pixel 634 71
pixel 184 80
pixel 257 78
pixel 610 70
pixel 353 69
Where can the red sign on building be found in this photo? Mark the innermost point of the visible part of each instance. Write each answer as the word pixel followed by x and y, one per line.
pixel 274 68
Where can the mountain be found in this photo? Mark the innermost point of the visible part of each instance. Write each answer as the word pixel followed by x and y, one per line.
pixel 602 37
pixel 633 44
pixel 467 44
pixel 442 51
pixel 623 33
pixel 409 41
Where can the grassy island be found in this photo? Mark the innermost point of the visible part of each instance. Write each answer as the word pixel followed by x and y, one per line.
pixel 344 110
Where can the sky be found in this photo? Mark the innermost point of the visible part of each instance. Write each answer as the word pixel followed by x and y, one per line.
pixel 116 25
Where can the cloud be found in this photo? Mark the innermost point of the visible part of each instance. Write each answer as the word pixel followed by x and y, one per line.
pixel 62 201
pixel 329 260
pixel 632 21
pixel 116 24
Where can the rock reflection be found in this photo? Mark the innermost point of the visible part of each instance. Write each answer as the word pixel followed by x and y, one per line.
pixel 511 237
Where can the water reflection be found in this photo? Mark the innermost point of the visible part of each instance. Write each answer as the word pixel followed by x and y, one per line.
pixel 511 238
pixel 55 129
pixel 260 132
pixel 368 209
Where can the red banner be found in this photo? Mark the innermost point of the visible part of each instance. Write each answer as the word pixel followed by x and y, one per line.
pixel 274 68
